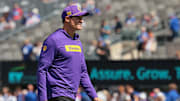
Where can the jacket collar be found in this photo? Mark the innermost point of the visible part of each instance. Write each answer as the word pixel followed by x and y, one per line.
pixel 76 36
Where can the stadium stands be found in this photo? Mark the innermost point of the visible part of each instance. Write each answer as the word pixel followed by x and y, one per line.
pixel 11 41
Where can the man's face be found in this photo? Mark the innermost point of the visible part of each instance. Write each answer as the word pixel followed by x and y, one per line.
pixel 76 22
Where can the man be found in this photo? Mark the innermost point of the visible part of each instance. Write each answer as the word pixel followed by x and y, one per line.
pixel 172 94
pixel 27 50
pixel 174 27
pixel 62 66
pixel 31 95
pixel 118 25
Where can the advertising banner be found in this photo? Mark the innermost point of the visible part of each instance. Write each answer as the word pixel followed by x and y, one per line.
pixel 140 72
pixel 154 72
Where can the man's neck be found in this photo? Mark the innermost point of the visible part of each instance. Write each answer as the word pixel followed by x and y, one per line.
pixel 69 31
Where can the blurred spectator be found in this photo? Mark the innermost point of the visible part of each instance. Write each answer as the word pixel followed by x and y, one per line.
pixel 118 25
pixel 7 95
pixel 24 17
pixel 11 97
pixel 24 91
pixel 5 91
pixel 104 95
pixel 158 95
pixel 174 26
pixel 10 24
pixel 114 96
pixel 150 45
pixel 3 24
pixel 97 11
pixel 173 94
pixel 33 18
pixel 37 49
pixel 105 30
pixel 142 40
pixel 122 93
pixel 131 93
pixel 103 51
pixel 1 97
pixel 84 95
pixel 19 94
pixel 31 95
pixel 150 20
pixel 128 98
pixel 90 6
pixel 17 12
pixel 143 96
pixel 130 20
pixel 145 21
pixel 8 15
pixel 78 95
pixel 154 20
pixel 5 9
pixel 27 50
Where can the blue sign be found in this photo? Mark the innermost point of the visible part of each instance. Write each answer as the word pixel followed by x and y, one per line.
pixel 15 77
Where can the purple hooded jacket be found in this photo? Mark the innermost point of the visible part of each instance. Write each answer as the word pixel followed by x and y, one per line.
pixel 62 67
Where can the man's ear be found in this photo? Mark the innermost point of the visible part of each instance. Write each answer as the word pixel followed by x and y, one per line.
pixel 67 19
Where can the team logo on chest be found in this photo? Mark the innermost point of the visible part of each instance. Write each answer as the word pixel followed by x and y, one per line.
pixel 44 48
pixel 72 48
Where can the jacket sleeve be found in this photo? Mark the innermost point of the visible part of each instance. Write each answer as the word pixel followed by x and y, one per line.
pixel 85 80
pixel 45 61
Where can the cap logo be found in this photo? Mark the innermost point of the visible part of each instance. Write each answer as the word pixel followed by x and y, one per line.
pixel 69 13
pixel 79 9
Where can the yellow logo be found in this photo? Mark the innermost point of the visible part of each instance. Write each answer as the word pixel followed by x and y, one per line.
pixel 69 13
pixel 73 48
pixel 79 8
pixel 44 48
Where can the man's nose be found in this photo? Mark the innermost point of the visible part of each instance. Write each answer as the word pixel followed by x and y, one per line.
pixel 81 20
